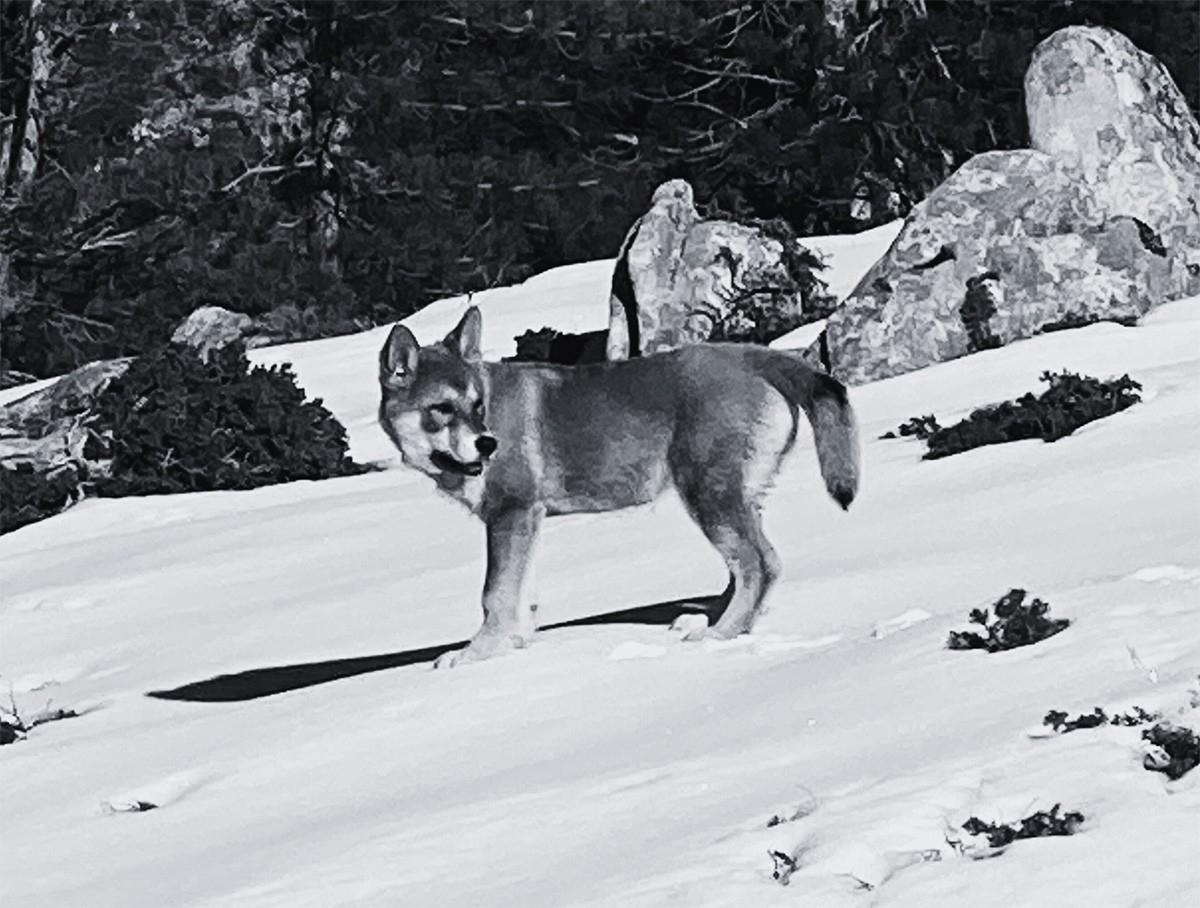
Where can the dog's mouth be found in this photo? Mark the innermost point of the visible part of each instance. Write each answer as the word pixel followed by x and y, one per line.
pixel 449 464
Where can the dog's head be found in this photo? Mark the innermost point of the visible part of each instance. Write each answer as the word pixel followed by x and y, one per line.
pixel 434 404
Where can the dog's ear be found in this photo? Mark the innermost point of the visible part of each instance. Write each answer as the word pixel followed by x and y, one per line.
pixel 464 339
pixel 398 359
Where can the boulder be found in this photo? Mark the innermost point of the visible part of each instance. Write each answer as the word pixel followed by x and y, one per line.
pixel 1113 116
pixel 47 430
pixel 1008 247
pixel 680 278
pixel 211 328
pixel 1019 242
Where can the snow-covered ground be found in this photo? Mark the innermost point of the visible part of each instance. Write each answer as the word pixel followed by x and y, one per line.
pixel 613 764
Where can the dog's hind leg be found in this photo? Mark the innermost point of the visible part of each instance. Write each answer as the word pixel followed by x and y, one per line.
pixel 734 527
pixel 722 482
pixel 724 504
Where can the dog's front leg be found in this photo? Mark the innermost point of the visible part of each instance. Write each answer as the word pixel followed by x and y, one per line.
pixel 507 611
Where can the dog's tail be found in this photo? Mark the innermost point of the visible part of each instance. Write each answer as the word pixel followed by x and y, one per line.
pixel 826 404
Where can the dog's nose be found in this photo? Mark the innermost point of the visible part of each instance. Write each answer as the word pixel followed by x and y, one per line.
pixel 485 445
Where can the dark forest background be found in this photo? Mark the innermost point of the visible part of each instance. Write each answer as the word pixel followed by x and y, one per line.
pixel 328 166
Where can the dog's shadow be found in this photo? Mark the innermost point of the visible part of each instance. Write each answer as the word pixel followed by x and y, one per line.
pixel 263 682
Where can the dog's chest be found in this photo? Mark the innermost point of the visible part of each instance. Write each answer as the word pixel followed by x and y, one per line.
pixel 466 490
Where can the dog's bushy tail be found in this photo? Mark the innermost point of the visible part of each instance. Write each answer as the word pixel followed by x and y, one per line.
pixel 827 406
pixel 836 434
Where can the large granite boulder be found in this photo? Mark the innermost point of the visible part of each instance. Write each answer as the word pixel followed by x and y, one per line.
pixel 1099 221
pixel 46 429
pixel 680 278
pixel 1113 116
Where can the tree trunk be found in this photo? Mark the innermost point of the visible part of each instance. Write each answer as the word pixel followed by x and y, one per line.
pixel 28 66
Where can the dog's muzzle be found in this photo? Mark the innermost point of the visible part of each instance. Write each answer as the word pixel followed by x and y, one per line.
pixel 448 464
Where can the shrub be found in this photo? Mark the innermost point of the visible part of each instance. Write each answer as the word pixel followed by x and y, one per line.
pixel 1176 750
pixel 785 866
pixel 1016 624
pixel 757 317
pixel 976 312
pixel 1042 823
pixel 1081 320
pixel 549 346
pixel 177 423
pixel 1058 720
pixel 922 427
pixel 763 306
pixel 27 496
pixel 1070 402
pixel 14 728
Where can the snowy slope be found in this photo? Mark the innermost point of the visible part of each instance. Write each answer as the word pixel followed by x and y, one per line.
pixel 613 764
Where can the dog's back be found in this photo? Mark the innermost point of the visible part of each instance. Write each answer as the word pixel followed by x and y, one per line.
pixel 612 435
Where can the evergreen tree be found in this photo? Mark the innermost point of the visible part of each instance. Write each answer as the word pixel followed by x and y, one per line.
pixel 332 165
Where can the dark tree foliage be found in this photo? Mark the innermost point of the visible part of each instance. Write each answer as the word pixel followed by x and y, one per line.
pixel 27 497
pixel 176 423
pixel 335 164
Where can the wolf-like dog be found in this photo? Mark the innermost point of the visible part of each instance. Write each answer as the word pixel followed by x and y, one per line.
pixel 517 442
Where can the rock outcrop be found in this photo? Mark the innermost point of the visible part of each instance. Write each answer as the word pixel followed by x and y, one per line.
pixel 1099 220
pixel 212 328
pixel 680 278
pixel 1113 116
pixel 45 429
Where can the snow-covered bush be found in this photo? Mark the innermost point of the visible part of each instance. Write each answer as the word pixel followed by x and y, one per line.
pixel 1057 719
pixel 1175 751
pixel 1042 823
pixel 1016 624
pixel 1172 750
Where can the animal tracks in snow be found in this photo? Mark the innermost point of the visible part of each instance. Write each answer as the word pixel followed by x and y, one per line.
pixel 64 598
pixel 902 622
pixel 153 795
pixel 1164 574
pixel 692 631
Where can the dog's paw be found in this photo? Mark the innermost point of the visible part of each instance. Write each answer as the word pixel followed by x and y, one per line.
pixel 484 646
pixel 449 660
pixel 715 634
pixel 693 626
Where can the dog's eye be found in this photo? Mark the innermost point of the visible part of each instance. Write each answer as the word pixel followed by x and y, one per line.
pixel 442 409
pixel 479 407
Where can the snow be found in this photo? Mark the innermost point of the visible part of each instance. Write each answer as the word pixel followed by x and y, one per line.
pixel 614 764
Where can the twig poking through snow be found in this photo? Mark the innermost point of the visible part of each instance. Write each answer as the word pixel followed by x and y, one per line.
pixel 785 866
pixel 1151 673
pixel 13 728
